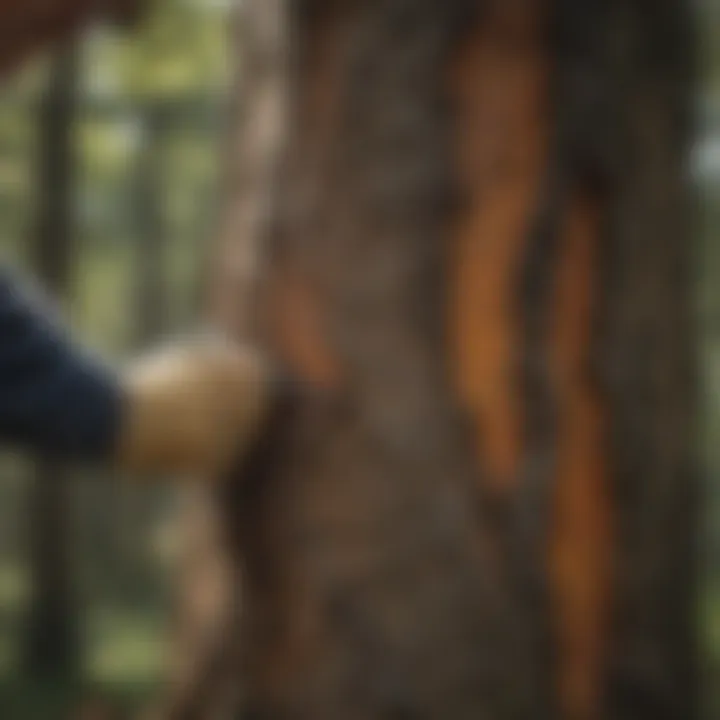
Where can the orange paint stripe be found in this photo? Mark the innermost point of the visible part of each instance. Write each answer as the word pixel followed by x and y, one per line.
pixel 499 85
pixel 581 543
pixel 299 334
pixel 499 90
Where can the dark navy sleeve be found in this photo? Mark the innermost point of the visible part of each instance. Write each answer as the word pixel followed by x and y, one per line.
pixel 55 398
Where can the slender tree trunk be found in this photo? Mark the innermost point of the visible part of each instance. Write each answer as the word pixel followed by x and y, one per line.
pixel 476 255
pixel 52 649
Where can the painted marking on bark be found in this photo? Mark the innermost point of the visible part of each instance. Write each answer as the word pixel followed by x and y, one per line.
pixel 581 529
pixel 499 84
pixel 299 334
pixel 499 81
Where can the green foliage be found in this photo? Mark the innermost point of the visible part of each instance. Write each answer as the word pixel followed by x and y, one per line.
pixel 180 50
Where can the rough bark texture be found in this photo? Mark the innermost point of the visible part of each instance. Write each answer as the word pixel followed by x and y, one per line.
pixel 372 563
pixel 476 257
pixel 646 368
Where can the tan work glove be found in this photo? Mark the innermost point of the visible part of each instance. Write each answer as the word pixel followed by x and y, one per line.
pixel 192 409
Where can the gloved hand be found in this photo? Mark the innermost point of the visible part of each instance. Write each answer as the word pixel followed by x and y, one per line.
pixel 193 409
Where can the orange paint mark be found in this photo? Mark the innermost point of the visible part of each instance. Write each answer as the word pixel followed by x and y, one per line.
pixel 582 541
pixel 499 84
pixel 298 332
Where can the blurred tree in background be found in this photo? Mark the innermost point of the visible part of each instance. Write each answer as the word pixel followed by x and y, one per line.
pixel 52 650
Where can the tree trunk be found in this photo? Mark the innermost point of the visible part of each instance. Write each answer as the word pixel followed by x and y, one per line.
pixel 476 257
pixel 52 649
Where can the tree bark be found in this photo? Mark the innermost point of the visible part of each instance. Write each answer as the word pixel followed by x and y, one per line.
pixel 476 258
